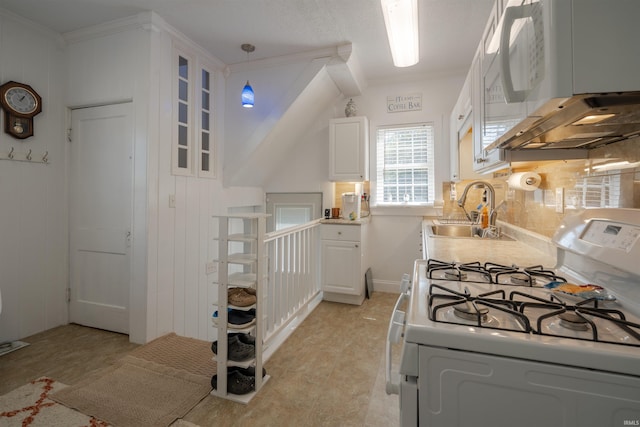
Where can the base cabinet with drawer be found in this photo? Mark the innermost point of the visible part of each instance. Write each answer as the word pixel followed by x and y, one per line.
pixel 344 262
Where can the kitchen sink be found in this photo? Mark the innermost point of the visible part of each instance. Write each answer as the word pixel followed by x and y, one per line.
pixel 454 230
pixel 464 231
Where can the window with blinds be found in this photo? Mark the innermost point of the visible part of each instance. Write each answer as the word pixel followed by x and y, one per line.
pixel 596 191
pixel 404 166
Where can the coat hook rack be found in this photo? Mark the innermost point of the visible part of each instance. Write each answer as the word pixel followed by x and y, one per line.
pixel 27 157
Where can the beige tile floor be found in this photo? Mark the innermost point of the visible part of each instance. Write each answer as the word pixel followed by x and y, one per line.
pixel 330 372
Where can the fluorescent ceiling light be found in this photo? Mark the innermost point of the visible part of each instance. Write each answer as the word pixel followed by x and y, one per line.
pixel 401 20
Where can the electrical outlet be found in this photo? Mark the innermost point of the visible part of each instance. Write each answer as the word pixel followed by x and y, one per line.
pixel 211 267
pixel 560 200
pixel 452 192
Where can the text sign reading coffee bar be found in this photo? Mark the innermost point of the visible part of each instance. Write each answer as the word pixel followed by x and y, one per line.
pixel 399 103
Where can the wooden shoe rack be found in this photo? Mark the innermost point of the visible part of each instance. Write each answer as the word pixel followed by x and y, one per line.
pixel 241 262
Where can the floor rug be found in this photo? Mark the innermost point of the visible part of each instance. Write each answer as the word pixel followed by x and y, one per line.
pixel 30 405
pixel 152 386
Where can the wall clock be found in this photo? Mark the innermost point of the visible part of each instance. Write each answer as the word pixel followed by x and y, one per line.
pixel 20 103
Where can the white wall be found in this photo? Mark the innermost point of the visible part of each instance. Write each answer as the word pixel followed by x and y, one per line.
pixel 132 61
pixel 33 197
pixel 125 60
pixel 394 233
pixel 110 66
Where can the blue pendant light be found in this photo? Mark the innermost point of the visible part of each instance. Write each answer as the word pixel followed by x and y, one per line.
pixel 247 91
pixel 247 96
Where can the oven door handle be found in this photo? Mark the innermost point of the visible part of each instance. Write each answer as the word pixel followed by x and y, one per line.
pixel 394 333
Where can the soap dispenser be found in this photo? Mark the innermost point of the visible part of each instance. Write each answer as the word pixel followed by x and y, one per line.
pixel 484 214
pixel 484 217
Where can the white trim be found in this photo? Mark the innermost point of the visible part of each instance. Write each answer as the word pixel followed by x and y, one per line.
pixel 213 157
pixel 40 29
pixel 387 286
pixel 407 210
pixel 149 21
pixel 189 170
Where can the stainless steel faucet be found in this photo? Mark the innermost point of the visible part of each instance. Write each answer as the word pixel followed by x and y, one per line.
pixel 492 199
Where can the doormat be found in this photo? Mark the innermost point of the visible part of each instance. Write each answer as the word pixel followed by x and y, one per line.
pixel 152 386
pixel 8 347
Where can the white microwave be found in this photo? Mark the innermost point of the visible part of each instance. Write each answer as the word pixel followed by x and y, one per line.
pixel 560 74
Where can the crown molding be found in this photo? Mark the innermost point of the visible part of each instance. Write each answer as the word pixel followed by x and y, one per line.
pixel 44 31
pixel 148 21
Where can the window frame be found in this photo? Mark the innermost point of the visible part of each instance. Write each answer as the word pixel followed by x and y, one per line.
pixel 432 192
pixel 176 124
pixel 213 148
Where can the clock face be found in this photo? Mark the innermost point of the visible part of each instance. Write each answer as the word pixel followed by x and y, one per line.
pixel 21 100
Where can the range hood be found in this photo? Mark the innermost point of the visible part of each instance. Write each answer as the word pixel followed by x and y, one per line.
pixel 580 122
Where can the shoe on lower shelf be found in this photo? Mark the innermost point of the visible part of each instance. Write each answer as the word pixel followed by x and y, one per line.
pixel 240 318
pixel 239 380
pixel 245 338
pixel 237 318
pixel 237 350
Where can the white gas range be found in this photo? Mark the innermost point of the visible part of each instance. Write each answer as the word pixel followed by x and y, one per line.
pixel 490 344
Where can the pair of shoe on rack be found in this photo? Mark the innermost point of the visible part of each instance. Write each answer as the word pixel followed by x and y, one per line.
pixel 240 347
pixel 239 380
pixel 238 318
pixel 241 297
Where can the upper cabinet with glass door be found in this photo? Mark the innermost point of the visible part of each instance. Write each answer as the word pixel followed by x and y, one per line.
pixel 490 119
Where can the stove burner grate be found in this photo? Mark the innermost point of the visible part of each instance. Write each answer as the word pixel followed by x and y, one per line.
pixel 490 273
pixel 573 321
pixel 455 274
pixel 522 279
pixel 470 311
pixel 579 317
pixel 476 309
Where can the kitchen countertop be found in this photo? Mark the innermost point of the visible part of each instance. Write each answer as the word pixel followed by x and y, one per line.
pixel 340 221
pixel 525 250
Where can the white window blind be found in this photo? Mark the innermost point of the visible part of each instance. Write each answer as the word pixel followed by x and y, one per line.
pixel 404 166
pixel 598 191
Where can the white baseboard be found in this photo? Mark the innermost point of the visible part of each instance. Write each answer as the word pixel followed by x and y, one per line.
pixel 388 286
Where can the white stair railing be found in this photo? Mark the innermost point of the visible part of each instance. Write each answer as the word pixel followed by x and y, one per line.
pixel 293 280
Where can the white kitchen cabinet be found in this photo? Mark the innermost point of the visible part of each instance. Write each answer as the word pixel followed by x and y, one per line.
pixel 344 262
pixel 349 149
pixel 241 263
pixel 460 124
pixel 485 161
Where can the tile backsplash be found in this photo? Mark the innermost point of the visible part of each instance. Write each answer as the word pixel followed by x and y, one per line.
pixel 609 178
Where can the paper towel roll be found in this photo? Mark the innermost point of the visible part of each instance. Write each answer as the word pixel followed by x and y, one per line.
pixel 527 181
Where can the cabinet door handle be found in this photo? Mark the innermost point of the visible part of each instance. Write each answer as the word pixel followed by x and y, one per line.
pixel 356 246
pixel 339 233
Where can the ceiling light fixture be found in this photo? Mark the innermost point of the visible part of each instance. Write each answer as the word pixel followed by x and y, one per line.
pixel 401 20
pixel 247 91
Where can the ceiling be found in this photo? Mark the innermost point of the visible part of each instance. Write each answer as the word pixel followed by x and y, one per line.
pixel 449 29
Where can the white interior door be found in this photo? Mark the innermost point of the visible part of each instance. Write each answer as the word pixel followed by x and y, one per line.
pixel 101 194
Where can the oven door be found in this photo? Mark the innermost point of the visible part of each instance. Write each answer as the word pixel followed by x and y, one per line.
pixel 394 334
pixel 462 388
